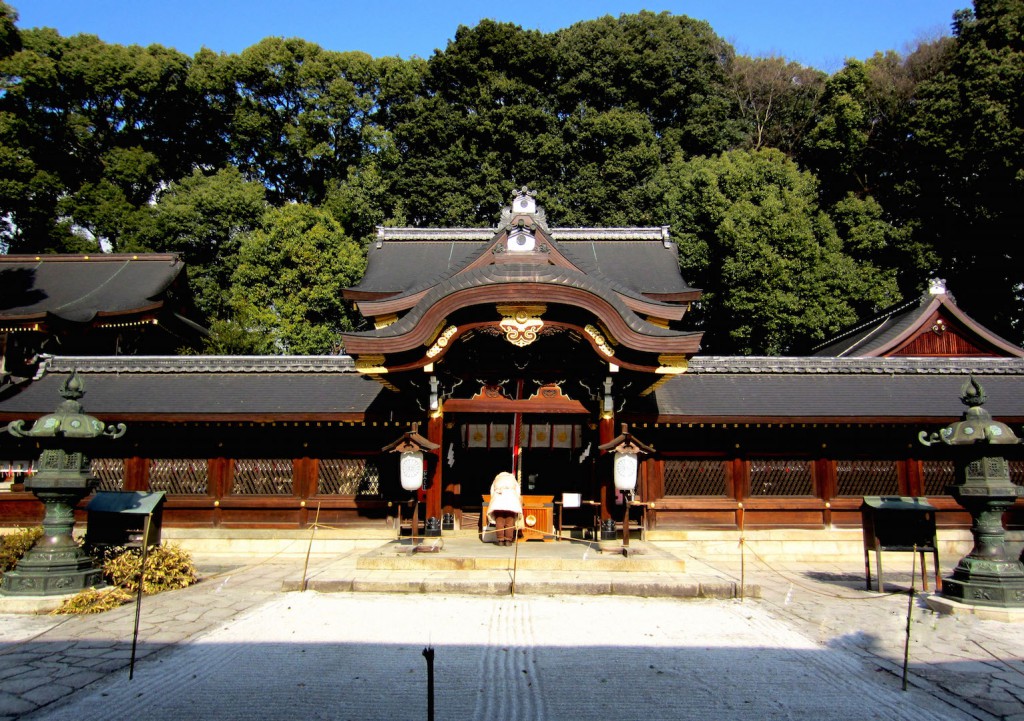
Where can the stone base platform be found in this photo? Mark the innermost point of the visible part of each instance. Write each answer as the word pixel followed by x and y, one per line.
pixel 941 604
pixel 32 604
pixel 469 554
pixel 466 566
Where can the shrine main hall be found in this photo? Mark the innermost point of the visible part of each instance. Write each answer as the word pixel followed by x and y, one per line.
pixel 523 348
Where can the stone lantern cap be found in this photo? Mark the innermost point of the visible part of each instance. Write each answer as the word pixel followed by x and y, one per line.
pixel 69 420
pixel 976 425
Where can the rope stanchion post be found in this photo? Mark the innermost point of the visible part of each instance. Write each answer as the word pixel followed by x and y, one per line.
pixel 743 554
pixel 309 549
pixel 138 598
pixel 910 612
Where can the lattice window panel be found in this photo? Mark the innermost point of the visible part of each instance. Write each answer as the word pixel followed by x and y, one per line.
pixel 693 477
pixel 1017 472
pixel 937 476
pixel 110 471
pixel 348 477
pixel 867 478
pixel 262 476
pixel 773 477
pixel 178 475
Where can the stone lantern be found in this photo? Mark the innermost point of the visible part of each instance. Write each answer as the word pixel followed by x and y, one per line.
pixel 56 564
pixel 986 576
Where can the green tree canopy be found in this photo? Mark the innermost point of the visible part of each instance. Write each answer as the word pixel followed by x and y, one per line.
pixel 670 68
pixel 286 289
pixel 966 185
pixel 202 217
pixel 301 115
pixel 771 263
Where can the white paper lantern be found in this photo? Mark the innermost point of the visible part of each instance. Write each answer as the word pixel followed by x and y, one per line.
pixel 625 471
pixel 411 470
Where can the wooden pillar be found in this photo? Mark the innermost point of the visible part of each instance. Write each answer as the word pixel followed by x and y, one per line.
pixel 218 484
pixel 914 485
pixel 825 472
pixel 606 484
pixel 136 474
pixel 304 485
pixel 739 489
pixel 435 434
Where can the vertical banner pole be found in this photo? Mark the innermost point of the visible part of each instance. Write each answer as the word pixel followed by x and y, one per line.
pixel 517 430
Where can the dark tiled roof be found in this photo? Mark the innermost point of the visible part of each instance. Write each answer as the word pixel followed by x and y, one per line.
pixel 200 394
pixel 877 333
pixel 200 364
pixel 794 388
pixel 643 267
pixel 888 331
pixel 816 365
pixel 78 288
pixel 632 261
pixel 781 389
pixel 402 267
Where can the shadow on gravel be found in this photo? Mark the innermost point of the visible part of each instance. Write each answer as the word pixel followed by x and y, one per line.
pixel 367 681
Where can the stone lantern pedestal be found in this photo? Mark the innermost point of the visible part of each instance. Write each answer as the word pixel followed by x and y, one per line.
pixel 56 564
pixel 987 576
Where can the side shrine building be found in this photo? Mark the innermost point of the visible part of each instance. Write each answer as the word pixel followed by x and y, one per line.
pixel 526 348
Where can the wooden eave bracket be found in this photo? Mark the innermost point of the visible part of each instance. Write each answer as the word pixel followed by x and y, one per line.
pixel 411 440
pixel 625 438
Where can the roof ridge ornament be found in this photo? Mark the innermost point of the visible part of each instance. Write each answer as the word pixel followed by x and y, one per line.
pixel 524 202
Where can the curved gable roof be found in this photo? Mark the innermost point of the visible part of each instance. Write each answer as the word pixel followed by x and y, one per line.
pixel 79 289
pixel 412 329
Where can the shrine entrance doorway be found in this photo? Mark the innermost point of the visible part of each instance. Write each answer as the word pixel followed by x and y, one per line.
pixel 553 458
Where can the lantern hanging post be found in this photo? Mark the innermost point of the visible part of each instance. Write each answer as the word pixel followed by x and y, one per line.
pixel 411 447
pixel 627 450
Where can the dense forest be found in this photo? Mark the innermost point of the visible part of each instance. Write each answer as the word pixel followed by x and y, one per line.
pixel 801 201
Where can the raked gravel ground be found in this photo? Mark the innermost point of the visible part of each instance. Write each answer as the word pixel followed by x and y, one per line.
pixel 359 656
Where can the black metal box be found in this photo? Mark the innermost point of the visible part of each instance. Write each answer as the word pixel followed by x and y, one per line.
pixel 898 523
pixel 118 518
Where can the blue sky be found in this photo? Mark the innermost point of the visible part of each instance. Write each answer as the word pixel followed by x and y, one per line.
pixel 820 33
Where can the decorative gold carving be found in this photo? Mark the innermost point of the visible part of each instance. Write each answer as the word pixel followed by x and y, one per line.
pixel 549 392
pixel 385 382
pixel 442 342
pixel 521 323
pixel 607 334
pixel 383 321
pixel 654 386
pixel 437 331
pixel 672 364
pixel 599 339
pixel 660 322
pixel 371 363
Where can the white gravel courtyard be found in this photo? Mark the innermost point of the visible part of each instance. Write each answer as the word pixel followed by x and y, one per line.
pixel 342 656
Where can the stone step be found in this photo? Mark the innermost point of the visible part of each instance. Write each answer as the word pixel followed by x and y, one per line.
pixel 469 554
